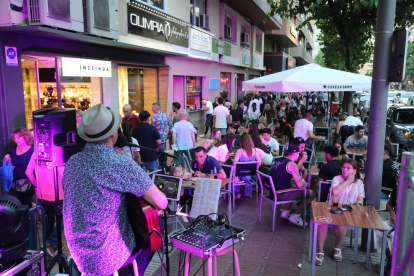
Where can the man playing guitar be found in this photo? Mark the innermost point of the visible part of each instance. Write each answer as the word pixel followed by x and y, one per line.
pixel 95 183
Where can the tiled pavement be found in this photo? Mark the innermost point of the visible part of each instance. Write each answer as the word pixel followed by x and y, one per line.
pixel 269 253
pixel 273 253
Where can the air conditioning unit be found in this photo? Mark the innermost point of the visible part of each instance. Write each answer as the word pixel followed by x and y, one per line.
pixel 64 14
pixel 13 14
pixel 204 22
pixel 101 18
pixel 227 31
pixel 245 38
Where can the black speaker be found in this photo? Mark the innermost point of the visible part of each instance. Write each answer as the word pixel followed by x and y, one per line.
pixel 398 55
pixel 54 135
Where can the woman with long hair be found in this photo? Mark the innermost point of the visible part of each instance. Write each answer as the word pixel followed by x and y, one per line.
pixel 214 138
pixel 346 188
pixel 222 149
pixel 19 157
pixel 278 129
pixel 341 121
pixel 319 122
pixel 246 153
pixel 254 112
pixel 253 129
pixel 342 155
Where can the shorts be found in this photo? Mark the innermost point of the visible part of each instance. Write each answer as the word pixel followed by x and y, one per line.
pixel 292 195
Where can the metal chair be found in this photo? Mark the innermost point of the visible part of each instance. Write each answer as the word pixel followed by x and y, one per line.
pixel 228 169
pixel 282 150
pixel 243 169
pixel 323 191
pixel 266 182
pixel 396 150
pixel 322 131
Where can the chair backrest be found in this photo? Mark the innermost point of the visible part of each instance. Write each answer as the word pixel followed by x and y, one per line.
pixel 358 158
pixel 191 154
pixel 228 169
pixel 324 187
pixel 321 131
pixel 396 150
pixel 310 153
pixel 282 150
pixel 266 182
pixel 245 168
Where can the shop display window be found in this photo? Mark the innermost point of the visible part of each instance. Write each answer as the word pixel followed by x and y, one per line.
pixel 75 92
pixel 193 85
pixel 224 83
pixel 137 87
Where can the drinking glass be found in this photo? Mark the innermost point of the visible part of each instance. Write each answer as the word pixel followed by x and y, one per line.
pixel 370 205
pixel 335 201
pixel 328 201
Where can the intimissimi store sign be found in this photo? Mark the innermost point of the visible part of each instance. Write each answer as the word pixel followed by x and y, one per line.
pixel 78 67
pixel 145 21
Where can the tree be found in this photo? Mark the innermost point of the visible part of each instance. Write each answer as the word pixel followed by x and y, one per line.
pixel 346 28
pixel 319 59
pixel 409 67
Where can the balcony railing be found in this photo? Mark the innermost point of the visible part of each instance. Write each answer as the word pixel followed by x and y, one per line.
pixel 299 52
pixel 266 8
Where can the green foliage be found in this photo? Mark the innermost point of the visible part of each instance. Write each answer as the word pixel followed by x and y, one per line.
pixel 319 59
pixel 346 26
pixel 409 67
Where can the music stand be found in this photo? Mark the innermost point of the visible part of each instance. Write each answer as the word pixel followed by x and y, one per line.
pixel 163 154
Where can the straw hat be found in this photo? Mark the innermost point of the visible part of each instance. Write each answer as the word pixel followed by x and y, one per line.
pixel 98 123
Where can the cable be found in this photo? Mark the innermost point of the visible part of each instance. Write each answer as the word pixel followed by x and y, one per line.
pixel 200 267
pixel 163 252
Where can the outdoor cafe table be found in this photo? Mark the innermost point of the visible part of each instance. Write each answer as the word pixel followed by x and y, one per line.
pixel 355 219
pixel 355 151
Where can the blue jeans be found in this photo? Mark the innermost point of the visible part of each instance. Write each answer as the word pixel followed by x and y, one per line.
pixel 248 184
pixel 150 165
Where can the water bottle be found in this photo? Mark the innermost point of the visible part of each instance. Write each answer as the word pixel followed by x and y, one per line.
pixel 215 170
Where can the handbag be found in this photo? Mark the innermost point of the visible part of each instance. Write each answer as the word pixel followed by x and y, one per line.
pixel 7 175
pixel 22 185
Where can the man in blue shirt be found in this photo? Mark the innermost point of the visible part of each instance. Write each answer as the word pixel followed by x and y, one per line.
pixel 206 164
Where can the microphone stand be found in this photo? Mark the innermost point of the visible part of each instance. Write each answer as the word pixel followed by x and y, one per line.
pixel 162 154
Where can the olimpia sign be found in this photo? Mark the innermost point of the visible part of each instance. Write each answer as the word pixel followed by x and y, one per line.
pixel 144 21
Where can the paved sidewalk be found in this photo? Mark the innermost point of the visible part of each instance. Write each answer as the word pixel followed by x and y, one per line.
pixel 273 253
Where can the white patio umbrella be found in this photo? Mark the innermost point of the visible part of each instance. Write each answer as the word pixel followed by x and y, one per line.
pixel 310 77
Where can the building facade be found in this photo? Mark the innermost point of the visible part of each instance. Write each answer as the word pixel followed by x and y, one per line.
pixel 80 53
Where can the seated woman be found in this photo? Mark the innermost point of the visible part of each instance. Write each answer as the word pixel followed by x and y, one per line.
pixel 246 153
pixel 341 121
pixel 263 123
pixel 222 149
pixel 214 138
pixel 342 153
pixel 320 121
pixel 253 129
pixel 348 187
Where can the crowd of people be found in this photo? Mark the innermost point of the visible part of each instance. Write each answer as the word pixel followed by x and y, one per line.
pixel 278 133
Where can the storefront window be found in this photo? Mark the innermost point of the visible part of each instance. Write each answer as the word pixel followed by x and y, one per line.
pixel 194 92
pixel 137 87
pixel 159 4
pixel 225 84
pixel 75 92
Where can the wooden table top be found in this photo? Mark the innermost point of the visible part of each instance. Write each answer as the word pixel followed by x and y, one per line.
pixel 354 218
pixel 356 151
pixel 314 170
pixel 191 185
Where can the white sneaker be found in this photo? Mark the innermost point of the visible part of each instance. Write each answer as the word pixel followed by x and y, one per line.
pixel 203 136
pixel 297 220
pixel 285 213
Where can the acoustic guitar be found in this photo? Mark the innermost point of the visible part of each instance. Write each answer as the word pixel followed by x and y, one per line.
pixel 144 220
